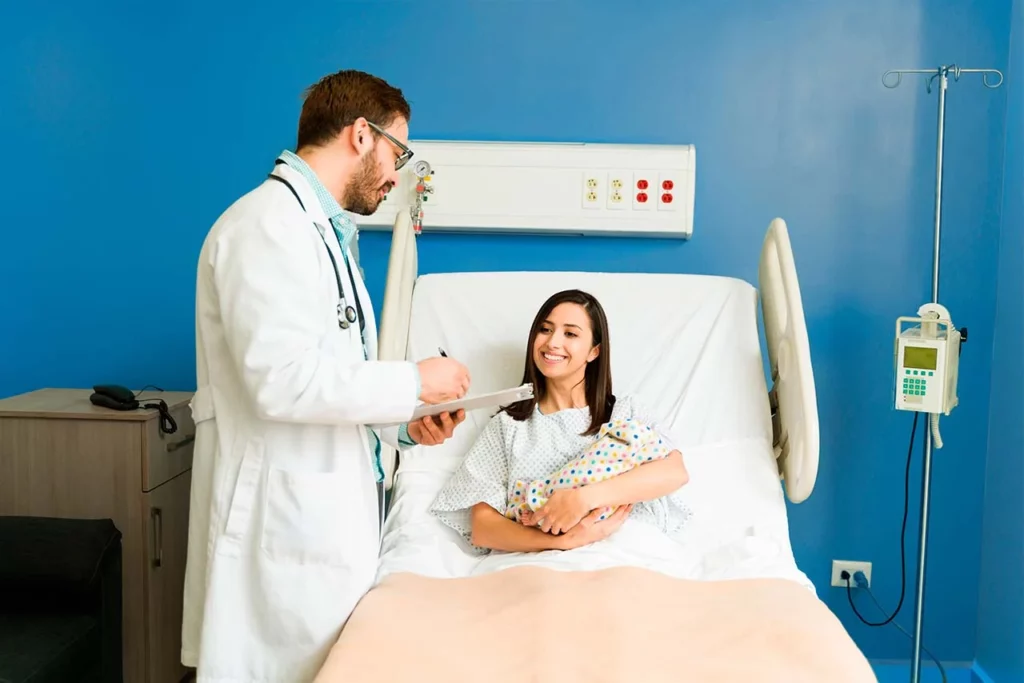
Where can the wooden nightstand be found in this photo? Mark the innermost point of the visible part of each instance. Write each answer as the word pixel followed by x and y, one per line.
pixel 61 456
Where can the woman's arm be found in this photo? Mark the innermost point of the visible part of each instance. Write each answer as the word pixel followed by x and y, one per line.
pixel 647 482
pixel 493 530
pixel 566 507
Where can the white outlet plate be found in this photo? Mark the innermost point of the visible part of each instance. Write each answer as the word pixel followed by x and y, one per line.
pixel 851 566
pixel 541 188
pixel 593 189
pixel 618 189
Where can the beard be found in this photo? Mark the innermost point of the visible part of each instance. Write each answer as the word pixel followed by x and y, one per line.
pixel 362 194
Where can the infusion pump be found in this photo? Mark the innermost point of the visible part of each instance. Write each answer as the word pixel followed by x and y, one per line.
pixel 927 360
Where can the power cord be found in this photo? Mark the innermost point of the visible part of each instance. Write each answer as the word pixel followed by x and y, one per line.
pixel 167 423
pixel 862 582
pixel 903 534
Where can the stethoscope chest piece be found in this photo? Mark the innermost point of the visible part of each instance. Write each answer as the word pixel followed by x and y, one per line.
pixel 346 316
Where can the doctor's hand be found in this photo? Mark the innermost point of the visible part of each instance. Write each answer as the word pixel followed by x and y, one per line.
pixel 442 379
pixel 431 431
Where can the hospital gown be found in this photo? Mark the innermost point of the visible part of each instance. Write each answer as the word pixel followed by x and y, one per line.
pixel 507 451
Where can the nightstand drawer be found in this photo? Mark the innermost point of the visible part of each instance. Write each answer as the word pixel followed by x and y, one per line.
pixel 165 456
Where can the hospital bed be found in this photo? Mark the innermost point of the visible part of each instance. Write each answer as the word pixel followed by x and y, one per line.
pixel 727 603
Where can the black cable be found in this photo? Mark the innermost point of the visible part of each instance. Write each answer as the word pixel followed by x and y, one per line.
pixel 167 423
pixel 935 659
pixel 903 534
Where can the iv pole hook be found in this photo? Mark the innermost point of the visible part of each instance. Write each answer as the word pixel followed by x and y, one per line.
pixel 954 70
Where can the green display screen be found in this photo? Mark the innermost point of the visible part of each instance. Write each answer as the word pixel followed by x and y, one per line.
pixel 921 357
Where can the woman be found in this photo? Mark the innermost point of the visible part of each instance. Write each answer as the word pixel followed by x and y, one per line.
pixel 568 363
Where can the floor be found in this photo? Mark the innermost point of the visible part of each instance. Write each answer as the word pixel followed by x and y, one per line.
pixel 955 673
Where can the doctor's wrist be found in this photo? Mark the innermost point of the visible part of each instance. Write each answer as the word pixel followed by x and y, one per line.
pixel 404 438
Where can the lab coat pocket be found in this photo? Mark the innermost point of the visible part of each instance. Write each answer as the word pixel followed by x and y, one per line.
pixel 242 495
pixel 304 517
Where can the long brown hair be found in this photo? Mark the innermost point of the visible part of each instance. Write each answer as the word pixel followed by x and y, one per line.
pixel 598 374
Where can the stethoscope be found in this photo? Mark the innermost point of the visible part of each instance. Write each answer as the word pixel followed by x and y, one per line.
pixel 346 314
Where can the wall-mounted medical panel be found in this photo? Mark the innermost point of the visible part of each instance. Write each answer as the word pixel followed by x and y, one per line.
pixel 536 188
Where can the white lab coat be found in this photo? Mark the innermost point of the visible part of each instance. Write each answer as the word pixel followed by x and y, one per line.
pixel 283 533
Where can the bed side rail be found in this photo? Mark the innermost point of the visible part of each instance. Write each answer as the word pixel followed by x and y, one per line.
pixel 393 335
pixel 792 395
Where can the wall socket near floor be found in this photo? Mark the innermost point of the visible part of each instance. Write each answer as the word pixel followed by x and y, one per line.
pixel 851 566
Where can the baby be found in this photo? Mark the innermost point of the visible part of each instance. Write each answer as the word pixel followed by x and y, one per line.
pixel 621 446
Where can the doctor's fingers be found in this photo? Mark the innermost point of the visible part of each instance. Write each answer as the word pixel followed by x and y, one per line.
pixel 447 426
pixel 433 431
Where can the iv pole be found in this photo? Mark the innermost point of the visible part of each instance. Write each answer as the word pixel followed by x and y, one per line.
pixel 942 74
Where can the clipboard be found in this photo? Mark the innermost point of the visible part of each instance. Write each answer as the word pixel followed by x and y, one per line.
pixel 468 403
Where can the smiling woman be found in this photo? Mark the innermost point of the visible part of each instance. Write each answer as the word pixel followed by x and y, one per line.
pixel 568 363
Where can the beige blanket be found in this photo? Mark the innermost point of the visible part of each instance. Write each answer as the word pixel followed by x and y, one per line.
pixel 532 624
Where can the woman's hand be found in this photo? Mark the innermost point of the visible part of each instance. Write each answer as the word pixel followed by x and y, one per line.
pixel 563 511
pixel 589 530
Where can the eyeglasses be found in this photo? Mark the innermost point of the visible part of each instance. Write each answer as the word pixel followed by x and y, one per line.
pixel 406 154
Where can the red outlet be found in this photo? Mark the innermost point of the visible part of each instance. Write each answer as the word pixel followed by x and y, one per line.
pixel 667 184
pixel 641 184
pixel 666 198
pixel 641 197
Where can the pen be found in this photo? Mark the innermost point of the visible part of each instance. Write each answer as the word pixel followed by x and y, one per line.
pixel 441 351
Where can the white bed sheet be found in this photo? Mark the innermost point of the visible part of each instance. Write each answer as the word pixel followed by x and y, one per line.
pixel 687 345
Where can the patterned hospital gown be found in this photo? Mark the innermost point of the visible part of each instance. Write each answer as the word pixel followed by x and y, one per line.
pixel 508 450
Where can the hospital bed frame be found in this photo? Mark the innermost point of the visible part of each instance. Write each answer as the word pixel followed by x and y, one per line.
pixel 791 395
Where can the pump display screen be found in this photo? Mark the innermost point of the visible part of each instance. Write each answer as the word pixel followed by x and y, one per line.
pixel 920 357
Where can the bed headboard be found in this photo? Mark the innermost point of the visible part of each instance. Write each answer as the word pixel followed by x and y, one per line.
pixel 791 396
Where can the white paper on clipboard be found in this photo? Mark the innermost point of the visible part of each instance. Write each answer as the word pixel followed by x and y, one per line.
pixel 468 403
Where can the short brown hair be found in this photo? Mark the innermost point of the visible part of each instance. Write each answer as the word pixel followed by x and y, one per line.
pixel 337 100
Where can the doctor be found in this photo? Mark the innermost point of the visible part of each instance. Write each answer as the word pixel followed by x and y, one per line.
pixel 285 503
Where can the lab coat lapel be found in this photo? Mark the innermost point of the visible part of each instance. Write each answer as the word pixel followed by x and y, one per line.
pixel 316 215
pixel 371 321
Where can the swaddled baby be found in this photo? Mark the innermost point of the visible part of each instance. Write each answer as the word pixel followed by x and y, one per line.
pixel 621 446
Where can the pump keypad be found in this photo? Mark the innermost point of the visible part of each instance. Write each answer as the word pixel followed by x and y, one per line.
pixel 915 382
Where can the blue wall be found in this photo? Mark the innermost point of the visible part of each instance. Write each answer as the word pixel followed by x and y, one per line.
pixel 1000 644
pixel 124 143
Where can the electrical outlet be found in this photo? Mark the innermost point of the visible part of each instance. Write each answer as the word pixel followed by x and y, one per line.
pixel 593 189
pixel 668 192
pixel 644 190
pixel 618 189
pixel 851 566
